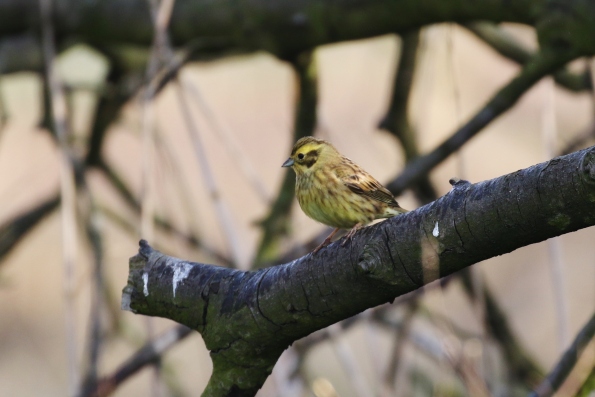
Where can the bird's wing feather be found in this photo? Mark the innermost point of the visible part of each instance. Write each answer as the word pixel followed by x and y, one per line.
pixel 360 182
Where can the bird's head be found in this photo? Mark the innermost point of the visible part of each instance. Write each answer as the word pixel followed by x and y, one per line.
pixel 309 154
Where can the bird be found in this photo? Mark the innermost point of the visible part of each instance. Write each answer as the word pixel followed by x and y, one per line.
pixel 333 190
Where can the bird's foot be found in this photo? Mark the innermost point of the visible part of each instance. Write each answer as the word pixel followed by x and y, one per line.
pixel 351 233
pixel 326 241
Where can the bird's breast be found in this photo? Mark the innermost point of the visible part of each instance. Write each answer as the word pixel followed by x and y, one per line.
pixel 327 200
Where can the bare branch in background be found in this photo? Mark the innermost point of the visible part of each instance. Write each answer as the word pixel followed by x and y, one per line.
pixel 349 362
pixel 549 137
pixel 508 46
pixel 122 189
pixel 15 229
pixel 95 337
pixel 540 65
pixel 276 224
pixel 221 208
pixel 158 53
pixel 230 143
pixel 3 110
pixel 395 364
pixel 397 121
pixel 150 353
pixel 67 187
pixel 562 369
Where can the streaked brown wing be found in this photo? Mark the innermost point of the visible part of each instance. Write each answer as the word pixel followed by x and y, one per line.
pixel 360 182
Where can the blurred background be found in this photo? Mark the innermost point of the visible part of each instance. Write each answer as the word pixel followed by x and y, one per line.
pixel 193 164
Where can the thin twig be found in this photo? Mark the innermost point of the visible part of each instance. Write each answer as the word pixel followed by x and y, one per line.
pixel 162 15
pixel 67 188
pixel 223 131
pixel 3 111
pixel 95 339
pixel 276 224
pixel 567 362
pixel 150 353
pixel 122 189
pixel 394 368
pixel 549 137
pixel 350 364
pixel 221 208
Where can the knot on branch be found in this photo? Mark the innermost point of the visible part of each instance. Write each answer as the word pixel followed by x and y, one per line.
pixel 458 183
pixel 376 259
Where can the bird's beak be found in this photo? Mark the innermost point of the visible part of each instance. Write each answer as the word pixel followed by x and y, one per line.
pixel 288 162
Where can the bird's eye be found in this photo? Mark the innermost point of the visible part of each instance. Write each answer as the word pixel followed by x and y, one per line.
pixel 301 156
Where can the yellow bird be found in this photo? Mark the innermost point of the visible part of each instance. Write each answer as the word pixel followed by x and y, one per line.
pixel 333 190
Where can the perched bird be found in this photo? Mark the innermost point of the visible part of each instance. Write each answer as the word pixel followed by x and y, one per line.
pixel 333 190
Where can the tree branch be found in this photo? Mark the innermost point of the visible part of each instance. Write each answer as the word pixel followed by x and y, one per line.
pixel 276 224
pixel 555 379
pixel 541 65
pixel 12 231
pixel 248 318
pixel 506 45
pixel 150 353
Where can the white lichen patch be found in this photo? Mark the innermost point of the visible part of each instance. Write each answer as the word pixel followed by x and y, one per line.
pixel 181 271
pixel 436 231
pixel 146 284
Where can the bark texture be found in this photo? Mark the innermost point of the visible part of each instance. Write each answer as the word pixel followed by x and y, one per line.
pixel 288 27
pixel 248 318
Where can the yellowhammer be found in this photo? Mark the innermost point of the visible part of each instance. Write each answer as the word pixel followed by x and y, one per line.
pixel 333 190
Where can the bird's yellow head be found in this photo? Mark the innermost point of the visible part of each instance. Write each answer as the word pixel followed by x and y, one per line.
pixel 309 154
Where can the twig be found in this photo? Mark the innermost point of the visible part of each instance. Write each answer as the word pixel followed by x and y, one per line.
pixel 349 362
pixel 14 229
pixel 150 353
pixel 162 14
pixel 121 187
pixel 562 369
pixel 67 187
pixel 221 208
pixel 397 121
pixel 110 102
pixel 540 65
pixel 519 363
pixel 555 261
pixel 3 112
pixel 98 288
pixel 286 374
pixel 224 132
pixel 401 335
pixel 275 225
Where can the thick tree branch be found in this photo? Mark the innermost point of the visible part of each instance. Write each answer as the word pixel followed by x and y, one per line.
pixel 281 27
pixel 507 45
pixel 248 318
pixel 287 28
